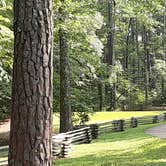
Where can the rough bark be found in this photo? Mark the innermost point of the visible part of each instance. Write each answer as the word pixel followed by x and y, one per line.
pixel 65 104
pixel 110 59
pixel 163 86
pixel 126 56
pixel 100 94
pixel 31 117
pixel 110 43
pixel 146 52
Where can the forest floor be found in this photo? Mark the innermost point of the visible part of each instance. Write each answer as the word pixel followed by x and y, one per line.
pixel 4 140
pixel 4 132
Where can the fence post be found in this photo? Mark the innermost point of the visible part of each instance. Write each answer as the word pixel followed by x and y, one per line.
pixel 94 130
pixel 155 119
pixel 118 125
pixel 66 145
pixel 115 125
pixel 121 125
pixel 164 115
pixel 88 134
pixel 134 122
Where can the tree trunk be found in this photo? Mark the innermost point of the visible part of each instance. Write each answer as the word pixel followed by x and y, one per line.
pixel 110 43
pixel 31 117
pixel 163 88
pixel 65 104
pixel 147 64
pixel 110 59
pixel 100 94
pixel 126 57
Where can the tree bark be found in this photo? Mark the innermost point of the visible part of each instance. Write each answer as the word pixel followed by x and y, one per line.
pixel 126 57
pixel 110 59
pixel 65 98
pixel 100 94
pixel 110 43
pixel 163 88
pixel 65 103
pixel 147 64
pixel 31 117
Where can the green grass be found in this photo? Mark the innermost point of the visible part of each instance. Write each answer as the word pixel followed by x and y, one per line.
pixel 130 148
pixel 108 116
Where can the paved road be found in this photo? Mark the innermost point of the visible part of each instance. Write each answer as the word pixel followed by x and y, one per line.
pixel 159 131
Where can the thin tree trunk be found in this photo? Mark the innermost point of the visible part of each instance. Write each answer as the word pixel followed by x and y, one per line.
pixel 100 93
pixel 137 50
pixel 65 103
pixel 110 59
pixel 163 88
pixel 126 60
pixel 31 117
pixel 110 43
pixel 146 52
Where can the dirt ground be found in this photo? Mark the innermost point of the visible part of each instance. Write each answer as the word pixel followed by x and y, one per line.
pixel 4 132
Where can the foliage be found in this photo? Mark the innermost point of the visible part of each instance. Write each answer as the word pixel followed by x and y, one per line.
pixel 6 51
pixel 86 25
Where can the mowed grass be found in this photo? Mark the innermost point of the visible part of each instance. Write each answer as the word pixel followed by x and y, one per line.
pixel 108 116
pixel 99 117
pixel 129 148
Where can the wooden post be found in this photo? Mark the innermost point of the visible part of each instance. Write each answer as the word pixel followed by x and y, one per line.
pixel 134 122
pixel 66 145
pixel 121 125
pixel 155 119
pixel 115 125
pixel 118 125
pixel 164 115
pixel 89 136
pixel 94 130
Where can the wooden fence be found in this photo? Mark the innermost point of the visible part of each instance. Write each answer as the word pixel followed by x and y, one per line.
pixel 85 133
pixel 61 143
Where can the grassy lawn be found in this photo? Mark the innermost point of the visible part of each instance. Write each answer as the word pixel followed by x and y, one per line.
pixel 130 148
pixel 108 116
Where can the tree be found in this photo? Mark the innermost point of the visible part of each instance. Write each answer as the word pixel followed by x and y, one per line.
pixel 31 117
pixel 65 103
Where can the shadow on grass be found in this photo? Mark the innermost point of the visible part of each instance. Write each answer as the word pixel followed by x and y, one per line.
pixel 155 157
pixel 133 133
pixel 140 150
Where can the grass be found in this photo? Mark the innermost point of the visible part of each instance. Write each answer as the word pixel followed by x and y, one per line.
pixel 108 116
pixel 130 148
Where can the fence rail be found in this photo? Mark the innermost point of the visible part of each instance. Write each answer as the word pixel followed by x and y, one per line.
pixel 85 133
pixel 62 143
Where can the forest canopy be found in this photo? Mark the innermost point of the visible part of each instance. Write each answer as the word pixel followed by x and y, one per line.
pixel 116 54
